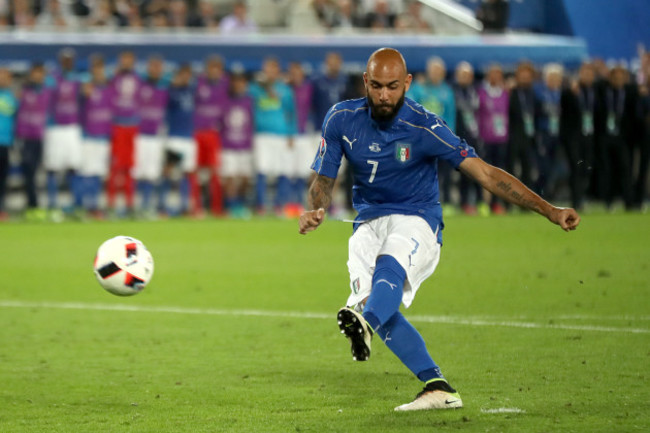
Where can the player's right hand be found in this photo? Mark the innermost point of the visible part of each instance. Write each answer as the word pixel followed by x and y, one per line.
pixel 310 220
pixel 566 218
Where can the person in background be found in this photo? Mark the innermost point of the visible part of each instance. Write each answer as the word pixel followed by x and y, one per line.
pixel 8 108
pixel 306 140
pixel 180 143
pixel 330 87
pixel 125 86
pixel 345 17
pixel 438 97
pixel 616 126
pixel 150 143
pixel 211 92
pixel 380 17
pixel 644 154
pixel 467 105
pixel 577 112
pixel 494 15
pixel 237 136
pixel 548 129
pixel 62 142
pixel 205 16
pixel 35 100
pixel 238 22
pixel 96 121
pixel 275 125
pixel 523 112
pixel 494 103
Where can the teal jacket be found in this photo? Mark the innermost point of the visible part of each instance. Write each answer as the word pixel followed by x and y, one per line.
pixel 8 108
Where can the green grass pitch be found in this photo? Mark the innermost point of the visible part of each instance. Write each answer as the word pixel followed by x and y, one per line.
pixel 539 330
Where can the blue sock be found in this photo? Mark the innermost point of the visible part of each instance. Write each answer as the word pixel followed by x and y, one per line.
pixel 382 313
pixel 299 187
pixel 52 186
pixel 163 190
pixel 146 190
pixel 76 185
pixel 387 289
pixel 260 190
pixel 408 345
pixel 92 186
pixel 283 193
pixel 97 191
pixel 185 194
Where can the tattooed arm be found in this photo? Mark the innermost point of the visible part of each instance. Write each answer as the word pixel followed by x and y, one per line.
pixel 508 187
pixel 320 197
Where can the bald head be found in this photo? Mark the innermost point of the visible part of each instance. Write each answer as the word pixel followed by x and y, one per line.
pixel 386 58
pixel 386 81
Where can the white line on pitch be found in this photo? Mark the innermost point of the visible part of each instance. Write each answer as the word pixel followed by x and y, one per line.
pixel 451 320
pixel 596 317
pixel 504 410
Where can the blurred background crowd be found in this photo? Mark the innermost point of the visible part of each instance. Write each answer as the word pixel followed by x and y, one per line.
pixel 226 142
pixel 237 16
pixel 143 135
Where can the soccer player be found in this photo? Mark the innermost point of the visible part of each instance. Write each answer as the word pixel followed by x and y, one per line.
pixel 149 144
pixel 394 145
pixel 8 107
pixel 96 119
pixel 467 103
pixel 616 120
pixel 31 119
pixel 330 87
pixel 438 97
pixel 577 128
pixel 494 103
pixel 275 126
pixel 523 112
pixel 180 143
pixel 548 95
pixel 211 90
pixel 303 148
pixel 125 87
pixel 237 136
pixel 62 143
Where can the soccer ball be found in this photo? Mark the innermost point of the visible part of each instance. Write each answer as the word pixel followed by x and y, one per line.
pixel 123 266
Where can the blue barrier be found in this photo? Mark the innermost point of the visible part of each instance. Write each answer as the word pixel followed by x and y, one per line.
pixel 250 50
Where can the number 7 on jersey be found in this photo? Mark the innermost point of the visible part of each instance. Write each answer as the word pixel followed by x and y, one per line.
pixel 374 164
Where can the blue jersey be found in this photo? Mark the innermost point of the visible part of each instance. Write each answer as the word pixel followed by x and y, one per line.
pixel 327 92
pixel 275 110
pixel 394 163
pixel 180 111
pixel 8 108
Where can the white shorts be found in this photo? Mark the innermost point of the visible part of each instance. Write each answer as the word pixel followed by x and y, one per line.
pixel 185 147
pixel 96 153
pixel 304 150
pixel 272 155
pixel 409 239
pixel 149 152
pixel 236 163
pixel 62 148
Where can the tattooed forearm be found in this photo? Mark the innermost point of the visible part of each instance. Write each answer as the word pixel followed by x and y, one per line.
pixel 519 194
pixel 320 192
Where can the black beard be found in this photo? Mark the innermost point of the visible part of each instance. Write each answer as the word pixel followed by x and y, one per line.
pixel 384 117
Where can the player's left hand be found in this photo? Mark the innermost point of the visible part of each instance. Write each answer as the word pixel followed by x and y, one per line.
pixel 310 220
pixel 565 217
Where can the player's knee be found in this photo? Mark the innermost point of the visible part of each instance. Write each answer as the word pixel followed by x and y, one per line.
pixel 389 263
